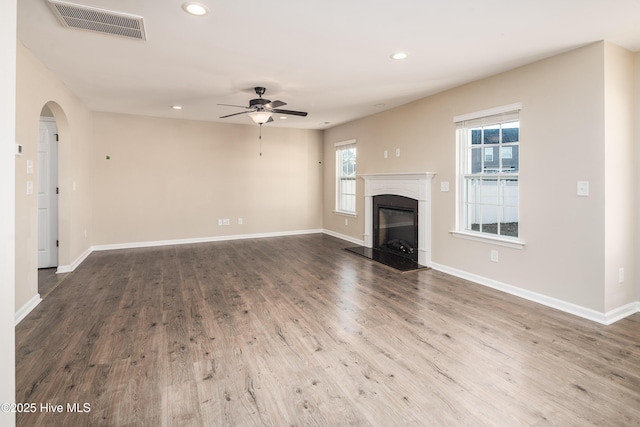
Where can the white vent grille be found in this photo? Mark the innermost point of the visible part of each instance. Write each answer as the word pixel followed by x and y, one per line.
pixel 98 20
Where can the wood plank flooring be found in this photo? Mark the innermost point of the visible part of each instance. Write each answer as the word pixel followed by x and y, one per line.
pixel 296 331
pixel 48 279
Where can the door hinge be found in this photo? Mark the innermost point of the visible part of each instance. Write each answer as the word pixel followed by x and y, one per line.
pixel 57 190
pixel 57 243
pixel 56 137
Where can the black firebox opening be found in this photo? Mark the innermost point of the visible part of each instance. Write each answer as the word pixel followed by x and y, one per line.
pixel 395 225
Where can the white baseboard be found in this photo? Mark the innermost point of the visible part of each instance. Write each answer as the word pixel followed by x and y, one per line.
pixel 74 264
pixel 567 307
pixel 619 313
pixel 344 237
pixel 26 309
pixel 149 244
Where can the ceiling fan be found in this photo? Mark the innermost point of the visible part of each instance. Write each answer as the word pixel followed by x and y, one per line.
pixel 260 109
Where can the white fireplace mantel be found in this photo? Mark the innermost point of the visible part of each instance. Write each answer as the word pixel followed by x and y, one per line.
pixel 413 185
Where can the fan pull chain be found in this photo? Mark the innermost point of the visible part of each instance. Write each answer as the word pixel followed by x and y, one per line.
pixel 260 138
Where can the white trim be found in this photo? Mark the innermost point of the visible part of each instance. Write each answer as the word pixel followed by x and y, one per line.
pixel 347 142
pixel 343 237
pixel 567 307
pixel 488 112
pixel 349 214
pixel 619 313
pixel 414 185
pixel 149 244
pixel 339 148
pixel 27 308
pixel 510 243
pixel 74 264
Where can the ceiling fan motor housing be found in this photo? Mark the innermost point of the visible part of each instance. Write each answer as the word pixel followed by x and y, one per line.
pixel 258 103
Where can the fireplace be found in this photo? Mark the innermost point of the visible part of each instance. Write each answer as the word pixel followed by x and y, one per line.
pixel 409 192
pixel 395 225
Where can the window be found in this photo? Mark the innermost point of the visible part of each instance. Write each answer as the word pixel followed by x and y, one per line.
pixel 346 177
pixel 489 171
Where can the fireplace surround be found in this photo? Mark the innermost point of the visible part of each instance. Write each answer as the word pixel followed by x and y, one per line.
pixel 416 186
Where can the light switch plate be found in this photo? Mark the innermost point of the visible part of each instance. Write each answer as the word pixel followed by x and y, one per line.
pixel 583 188
pixel 444 186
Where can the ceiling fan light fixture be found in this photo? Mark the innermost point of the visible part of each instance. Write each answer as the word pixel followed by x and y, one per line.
pixel 260 117
pixel 194 8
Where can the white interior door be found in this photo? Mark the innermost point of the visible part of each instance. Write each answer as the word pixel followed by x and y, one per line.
pixel 47 194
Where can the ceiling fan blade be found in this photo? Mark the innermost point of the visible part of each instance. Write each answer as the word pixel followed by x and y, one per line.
pixel 229 105
pixel 235 114
pixel 294 113
pixel 275 104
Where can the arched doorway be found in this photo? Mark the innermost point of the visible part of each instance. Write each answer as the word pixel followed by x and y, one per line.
pixel 47 178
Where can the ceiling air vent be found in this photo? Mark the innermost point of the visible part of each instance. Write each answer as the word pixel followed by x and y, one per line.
pixel 98 20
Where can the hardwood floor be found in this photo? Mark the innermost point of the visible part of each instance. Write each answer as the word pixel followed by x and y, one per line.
pixel 297 331
pixel 48 280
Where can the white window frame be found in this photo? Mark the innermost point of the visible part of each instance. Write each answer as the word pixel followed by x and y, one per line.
pixel 495 116
pixel 342 205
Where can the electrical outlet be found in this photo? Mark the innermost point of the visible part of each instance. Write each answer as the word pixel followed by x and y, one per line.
pixel 219 222
pixel 346 221
pixel 494 255
pixel 444 186
pixel 385 154
pixel 240 221
pixel 397 152
pixel 621 275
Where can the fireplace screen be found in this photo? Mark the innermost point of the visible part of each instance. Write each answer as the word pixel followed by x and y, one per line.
pixel 396 225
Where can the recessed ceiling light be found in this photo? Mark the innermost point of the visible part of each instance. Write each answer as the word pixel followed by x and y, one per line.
pixel 177 107
pixel 399 55
pixel 283 117
pixel 194 8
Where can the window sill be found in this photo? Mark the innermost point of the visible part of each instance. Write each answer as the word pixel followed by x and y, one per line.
pixel 343 213
pixel 500 241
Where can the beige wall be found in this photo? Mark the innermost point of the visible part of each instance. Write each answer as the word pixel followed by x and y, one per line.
pixel 173 179
pixel 621 179
pixel 562 141
pixel 36 87
pixel 165 180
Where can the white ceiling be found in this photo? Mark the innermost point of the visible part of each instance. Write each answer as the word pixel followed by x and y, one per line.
pixel 329 57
